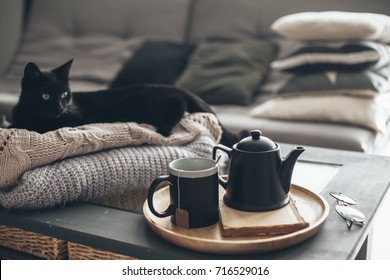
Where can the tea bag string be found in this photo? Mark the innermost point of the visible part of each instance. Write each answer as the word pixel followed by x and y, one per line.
pixel 178 192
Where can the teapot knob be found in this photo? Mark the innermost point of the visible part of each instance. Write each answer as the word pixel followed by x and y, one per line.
pixel 256 134
pixel 256 143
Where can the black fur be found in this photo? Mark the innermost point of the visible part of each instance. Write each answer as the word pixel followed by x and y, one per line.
pixel 46 103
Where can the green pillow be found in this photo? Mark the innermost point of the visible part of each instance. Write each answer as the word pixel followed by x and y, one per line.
pixel 227 72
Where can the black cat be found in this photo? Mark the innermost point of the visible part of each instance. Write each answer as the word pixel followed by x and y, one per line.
pixel 46 103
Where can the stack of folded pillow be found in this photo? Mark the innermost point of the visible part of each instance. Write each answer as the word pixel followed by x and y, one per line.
pixel 339 73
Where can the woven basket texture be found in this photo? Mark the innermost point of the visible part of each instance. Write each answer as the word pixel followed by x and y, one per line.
pixel 36 244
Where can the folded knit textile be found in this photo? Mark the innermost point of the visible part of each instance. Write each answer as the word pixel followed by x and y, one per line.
pixel 35 173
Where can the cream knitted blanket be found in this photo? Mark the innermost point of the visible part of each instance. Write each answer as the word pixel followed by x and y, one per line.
pixel 22 150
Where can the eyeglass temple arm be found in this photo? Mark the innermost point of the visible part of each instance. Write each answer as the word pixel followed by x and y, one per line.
pixel 349 223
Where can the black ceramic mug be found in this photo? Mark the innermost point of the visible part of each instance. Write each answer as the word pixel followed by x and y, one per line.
pixel 193 189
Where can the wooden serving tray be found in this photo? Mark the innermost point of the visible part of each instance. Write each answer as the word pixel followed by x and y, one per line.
pixel 312 207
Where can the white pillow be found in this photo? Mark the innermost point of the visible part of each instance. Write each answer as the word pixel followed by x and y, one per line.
pixel 372 113
pixel 334 25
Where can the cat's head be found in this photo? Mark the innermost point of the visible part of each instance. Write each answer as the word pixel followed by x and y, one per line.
pixel 46 93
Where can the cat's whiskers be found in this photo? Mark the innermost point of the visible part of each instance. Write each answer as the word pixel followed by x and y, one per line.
pixel 72 112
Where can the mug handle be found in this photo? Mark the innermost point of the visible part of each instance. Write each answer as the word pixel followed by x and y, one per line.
pixel 156 182
pixel 228 151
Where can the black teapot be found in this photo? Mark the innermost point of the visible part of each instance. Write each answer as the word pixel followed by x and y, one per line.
pixel 259 178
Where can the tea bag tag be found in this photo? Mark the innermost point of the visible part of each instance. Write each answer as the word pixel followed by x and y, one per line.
pixel 182 218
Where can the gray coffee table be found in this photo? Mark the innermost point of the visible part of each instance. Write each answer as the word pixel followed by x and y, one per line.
pixel 363 177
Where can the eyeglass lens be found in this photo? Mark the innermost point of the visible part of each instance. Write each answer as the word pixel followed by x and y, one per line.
pixel 343 198
pixel 343 208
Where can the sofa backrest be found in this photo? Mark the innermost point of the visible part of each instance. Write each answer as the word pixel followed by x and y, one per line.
pixel 118 18
pixel 177 20
pixel 253 18
pixel 101 35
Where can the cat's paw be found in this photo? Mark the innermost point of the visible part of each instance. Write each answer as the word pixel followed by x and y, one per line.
pixel 165 131
pixel 4 123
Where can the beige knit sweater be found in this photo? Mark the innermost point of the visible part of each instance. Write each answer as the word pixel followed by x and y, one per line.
pixel 22 150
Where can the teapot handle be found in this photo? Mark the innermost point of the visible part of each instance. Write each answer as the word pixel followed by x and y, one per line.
pixel 228 151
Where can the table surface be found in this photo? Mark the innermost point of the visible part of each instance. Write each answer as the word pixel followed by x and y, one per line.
pixel 363 177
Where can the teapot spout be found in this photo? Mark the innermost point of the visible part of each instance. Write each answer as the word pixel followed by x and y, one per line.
pixel 287 167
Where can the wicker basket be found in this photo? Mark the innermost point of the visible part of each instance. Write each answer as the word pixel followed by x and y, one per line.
pixel 82 252
pixel 36 244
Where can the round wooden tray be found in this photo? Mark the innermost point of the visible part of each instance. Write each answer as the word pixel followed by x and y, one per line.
pixel 312 207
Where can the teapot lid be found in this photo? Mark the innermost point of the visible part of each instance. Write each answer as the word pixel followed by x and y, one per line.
pixel 256 143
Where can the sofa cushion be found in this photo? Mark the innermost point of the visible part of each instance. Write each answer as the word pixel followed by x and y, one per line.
pixel 334 25
pixel 227 72
pixel 320 56
pixel 320 134
pixel 155 62
pixel 7 103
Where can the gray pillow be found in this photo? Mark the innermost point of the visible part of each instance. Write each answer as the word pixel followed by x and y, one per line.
pixel 227 72
pixel 362 83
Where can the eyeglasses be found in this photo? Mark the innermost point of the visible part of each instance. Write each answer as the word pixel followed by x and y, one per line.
pixel 344 209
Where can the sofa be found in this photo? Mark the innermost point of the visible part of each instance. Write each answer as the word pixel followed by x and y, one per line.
pixel 102 36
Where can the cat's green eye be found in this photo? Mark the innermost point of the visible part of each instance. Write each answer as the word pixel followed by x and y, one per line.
pixel 64 95
pixel 45 96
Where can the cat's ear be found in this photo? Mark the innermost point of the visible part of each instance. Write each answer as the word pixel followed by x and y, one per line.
pixel 32 75
pixel 63 71
pixel 31 70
